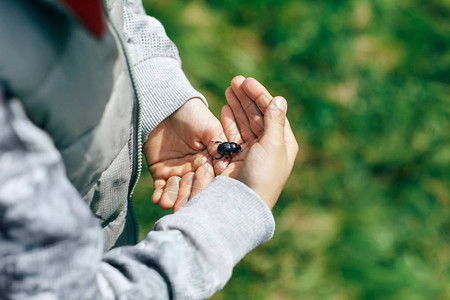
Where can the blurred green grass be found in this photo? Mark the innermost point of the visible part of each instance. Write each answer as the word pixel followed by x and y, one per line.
pixel 365 214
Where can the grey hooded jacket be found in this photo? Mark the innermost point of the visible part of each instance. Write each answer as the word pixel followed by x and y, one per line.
pixel 73 113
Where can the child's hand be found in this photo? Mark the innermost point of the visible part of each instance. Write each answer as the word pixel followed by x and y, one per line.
pixel 270 147
pixel 180 154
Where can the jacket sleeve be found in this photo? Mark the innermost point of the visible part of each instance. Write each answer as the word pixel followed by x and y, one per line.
pixel 155 62
pixel 51 244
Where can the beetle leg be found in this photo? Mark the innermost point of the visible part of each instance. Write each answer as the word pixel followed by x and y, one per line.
pixel 219 157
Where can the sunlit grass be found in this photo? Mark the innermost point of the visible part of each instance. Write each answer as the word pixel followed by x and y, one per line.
pixel 366 212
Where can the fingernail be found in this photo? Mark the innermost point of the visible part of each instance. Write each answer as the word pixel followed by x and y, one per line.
pixel 280 103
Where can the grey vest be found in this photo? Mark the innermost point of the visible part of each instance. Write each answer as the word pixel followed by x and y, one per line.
pixel 79 90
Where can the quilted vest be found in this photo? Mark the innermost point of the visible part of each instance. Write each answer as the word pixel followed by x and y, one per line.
pixel 79 90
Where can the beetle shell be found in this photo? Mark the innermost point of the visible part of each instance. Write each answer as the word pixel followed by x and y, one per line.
pixel 227 148
pixel 224 148
pixel 235 148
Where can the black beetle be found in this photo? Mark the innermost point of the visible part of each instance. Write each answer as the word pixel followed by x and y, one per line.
pixel 227 148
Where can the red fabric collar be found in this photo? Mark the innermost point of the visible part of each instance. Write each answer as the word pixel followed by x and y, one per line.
pixel 89 13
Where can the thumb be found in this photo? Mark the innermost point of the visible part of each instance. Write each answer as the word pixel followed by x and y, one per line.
pixel 275 116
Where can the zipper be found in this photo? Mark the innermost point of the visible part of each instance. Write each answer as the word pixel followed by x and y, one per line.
pixel 137 159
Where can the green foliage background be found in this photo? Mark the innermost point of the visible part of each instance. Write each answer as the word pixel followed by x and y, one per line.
pixel 366 212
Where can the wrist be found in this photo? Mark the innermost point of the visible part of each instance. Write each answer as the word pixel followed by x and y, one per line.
pixel 265 191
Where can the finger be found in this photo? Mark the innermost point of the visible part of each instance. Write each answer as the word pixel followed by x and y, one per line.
pixel 291 142
pixel 274 118
pixel 202 177
pixel 219 165
pixel 184 191
pixel 158 188
pixel 170 194
pixel 178 166
pixel 254 115
pixel 257 92
pixel 229 125
pixel 231 132
pixel 214 132
pixel 241 117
